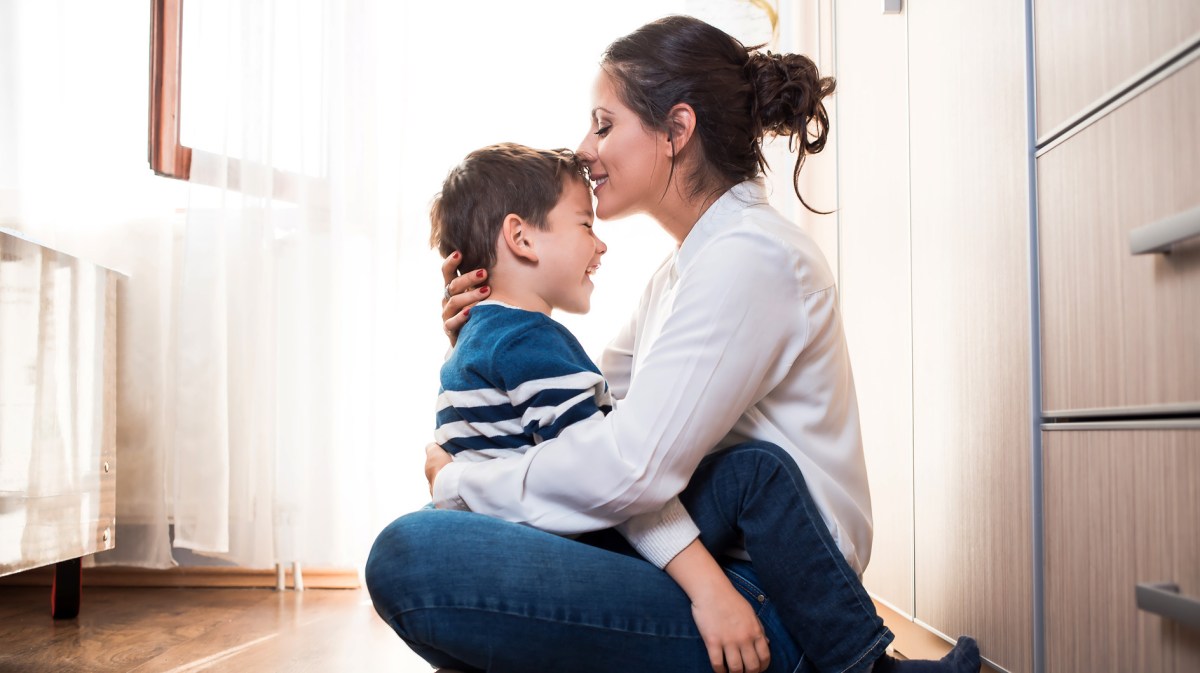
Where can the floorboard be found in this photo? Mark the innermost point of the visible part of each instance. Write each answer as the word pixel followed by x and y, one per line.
pixel 177 630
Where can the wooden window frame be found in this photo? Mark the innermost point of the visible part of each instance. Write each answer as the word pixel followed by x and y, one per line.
pixel 168 157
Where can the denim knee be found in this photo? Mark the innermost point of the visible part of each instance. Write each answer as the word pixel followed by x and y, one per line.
pixel 394 553
pixel 757 452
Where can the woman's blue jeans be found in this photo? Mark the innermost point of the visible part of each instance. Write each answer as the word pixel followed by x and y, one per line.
pixel 470 592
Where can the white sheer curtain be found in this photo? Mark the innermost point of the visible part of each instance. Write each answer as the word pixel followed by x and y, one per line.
pixel 285 299
pixel 259 348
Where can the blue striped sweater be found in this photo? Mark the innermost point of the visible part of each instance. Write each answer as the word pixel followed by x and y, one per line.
pixel 515 378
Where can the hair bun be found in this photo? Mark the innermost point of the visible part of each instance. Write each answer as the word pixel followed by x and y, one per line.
pixel 788 93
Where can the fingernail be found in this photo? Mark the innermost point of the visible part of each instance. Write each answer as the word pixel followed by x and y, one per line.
pixel 484 290
pixel 479 273
pixel 456 255
pixel 466 312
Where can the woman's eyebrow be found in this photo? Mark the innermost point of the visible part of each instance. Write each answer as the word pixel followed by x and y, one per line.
pixel 598 109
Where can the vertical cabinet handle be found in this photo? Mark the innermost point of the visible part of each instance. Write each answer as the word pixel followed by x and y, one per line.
pixel 1164 599
pixel 1160 236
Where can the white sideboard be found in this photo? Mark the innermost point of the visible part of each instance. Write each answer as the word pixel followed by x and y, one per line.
pixel 57 408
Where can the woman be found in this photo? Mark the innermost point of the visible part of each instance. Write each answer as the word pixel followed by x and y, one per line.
pixel 736 394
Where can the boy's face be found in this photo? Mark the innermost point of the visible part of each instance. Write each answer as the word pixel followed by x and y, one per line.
pixel 569 251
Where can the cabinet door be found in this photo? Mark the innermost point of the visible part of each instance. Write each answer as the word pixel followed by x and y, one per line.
pixel 874 276
pixel 1122 330
pixel 1121 507
pixel 972 417
pixel 1087 48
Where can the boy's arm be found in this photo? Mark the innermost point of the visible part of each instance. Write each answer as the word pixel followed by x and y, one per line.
pixel 660 536
pixel 732 633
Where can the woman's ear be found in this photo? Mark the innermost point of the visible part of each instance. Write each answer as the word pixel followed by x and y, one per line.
pixel 514 236
pixel 681 128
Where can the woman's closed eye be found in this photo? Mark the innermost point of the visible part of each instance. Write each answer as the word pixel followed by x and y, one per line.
pixel 603 130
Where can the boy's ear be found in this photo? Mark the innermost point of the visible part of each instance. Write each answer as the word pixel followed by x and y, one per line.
pixel 681 128
pixel 515 235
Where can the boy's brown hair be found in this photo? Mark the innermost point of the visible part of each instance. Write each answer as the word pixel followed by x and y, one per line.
pixel 491 183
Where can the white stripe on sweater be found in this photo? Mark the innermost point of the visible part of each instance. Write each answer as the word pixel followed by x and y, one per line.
pixel 548 415
pixel 577 381
pixel 463 399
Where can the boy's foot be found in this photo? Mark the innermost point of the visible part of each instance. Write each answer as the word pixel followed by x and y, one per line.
pixel 964 658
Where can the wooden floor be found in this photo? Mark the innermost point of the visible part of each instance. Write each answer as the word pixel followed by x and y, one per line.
pixel 184 630
pixel 157 630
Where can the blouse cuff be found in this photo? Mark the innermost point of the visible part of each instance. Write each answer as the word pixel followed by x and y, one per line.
pixel 445 488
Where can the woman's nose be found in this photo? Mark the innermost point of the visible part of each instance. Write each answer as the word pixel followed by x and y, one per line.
pixel 587 149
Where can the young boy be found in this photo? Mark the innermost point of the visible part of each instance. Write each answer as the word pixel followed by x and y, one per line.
pixel 517 377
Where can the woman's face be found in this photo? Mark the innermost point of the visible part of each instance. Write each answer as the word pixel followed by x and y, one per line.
pixel 627 161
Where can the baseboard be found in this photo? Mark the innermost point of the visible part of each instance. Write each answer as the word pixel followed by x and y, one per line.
pixel 913 641
pixel 192 576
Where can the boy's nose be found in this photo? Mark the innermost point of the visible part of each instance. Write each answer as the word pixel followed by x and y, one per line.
pixel 601 246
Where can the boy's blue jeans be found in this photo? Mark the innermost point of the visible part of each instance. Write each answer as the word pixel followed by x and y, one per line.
pixel 470 592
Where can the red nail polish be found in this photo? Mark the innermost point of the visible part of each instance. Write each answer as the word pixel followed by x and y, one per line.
pixel 456 255
pixel 466 312
pixel 484 290
pixel 479 273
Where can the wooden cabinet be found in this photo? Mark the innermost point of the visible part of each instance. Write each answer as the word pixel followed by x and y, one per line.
pixel 1087 49
pixel 972 413
pixel 941 285
pixel 1122 330
pixel 874 277
pixel 934 286
pixel 1122 508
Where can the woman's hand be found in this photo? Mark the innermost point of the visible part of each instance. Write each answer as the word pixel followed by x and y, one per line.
pixel 731 631
pixel 462 292
pixel 435 459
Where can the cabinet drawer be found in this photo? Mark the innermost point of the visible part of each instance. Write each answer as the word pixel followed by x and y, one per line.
pixel 1087 48
pixel 1122 330
pixel 1121 508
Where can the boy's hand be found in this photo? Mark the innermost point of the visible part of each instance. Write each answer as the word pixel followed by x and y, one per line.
pixel 461 293
pixel 731 632
pixel 435 459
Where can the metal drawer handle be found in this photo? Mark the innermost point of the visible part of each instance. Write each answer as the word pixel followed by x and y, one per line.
pixel 1164 599
pixel 1161 235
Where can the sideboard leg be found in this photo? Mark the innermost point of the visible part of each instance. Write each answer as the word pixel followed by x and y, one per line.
pixel 66 590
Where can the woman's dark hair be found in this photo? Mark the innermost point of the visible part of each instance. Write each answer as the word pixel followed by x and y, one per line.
pixel 740 95
pixel 492 183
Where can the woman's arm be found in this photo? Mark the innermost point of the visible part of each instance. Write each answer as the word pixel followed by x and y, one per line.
pixel 736 325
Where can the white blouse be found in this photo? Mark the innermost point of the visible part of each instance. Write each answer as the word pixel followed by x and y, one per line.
pixel 738 336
